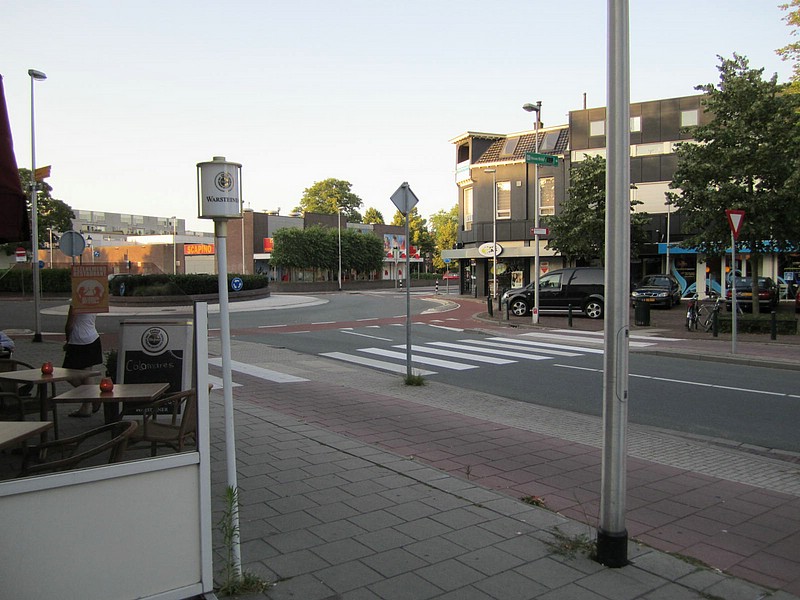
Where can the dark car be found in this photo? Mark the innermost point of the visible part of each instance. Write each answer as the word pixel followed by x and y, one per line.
pixel 767 294
pixel 581 288
pixel 659 290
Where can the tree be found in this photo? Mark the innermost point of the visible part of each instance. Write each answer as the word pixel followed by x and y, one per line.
pixel 373 216
pixel 791 52
pixel 330 195
pixel 51 213
pixel 578 231
pixel 418 231
pixel 746 158
pixel 444 232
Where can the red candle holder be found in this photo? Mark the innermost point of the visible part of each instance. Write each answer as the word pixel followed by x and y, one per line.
pixel 106 385
pixel 47 368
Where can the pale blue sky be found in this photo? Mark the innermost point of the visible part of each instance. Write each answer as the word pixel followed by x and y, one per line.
pixel 369 91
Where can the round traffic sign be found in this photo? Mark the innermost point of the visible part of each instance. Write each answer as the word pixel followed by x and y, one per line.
pixel 237 284
pixel 72 243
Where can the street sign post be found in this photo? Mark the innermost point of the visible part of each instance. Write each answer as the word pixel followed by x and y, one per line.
pixel 735 220
pixel 540 231
pixel 535 158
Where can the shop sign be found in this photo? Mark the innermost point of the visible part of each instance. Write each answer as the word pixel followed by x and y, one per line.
pixel 487 249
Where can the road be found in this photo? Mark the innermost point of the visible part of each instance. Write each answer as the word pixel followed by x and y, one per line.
pixel 751 405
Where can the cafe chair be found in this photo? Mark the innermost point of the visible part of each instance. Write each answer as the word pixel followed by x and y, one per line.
pixel 178 424
pixel 67 453
pixel 16 410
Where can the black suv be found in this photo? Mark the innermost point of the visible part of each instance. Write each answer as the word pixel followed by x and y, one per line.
pixel 583 288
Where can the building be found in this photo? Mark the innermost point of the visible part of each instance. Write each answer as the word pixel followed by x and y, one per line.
pixel 485 162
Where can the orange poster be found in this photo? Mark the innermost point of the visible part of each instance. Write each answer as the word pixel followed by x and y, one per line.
pixel 90 288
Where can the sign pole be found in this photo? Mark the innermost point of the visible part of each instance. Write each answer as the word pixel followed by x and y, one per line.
pixel 735 220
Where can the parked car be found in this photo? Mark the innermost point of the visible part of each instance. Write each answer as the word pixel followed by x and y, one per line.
pixel 767 293
pixel 583 288
pixel 659 290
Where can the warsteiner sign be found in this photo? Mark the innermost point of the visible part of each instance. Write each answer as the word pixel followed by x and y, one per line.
pixel 219 189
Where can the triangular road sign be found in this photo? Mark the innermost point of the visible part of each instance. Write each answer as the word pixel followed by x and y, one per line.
pixel 735 220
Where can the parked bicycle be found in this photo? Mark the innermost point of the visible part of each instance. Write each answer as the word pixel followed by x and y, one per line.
pixel 692 314
pixel 708 313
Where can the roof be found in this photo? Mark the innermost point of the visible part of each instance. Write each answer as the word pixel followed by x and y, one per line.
pixel 525 144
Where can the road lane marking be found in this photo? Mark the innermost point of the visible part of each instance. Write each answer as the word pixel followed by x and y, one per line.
pixel 323 322
pixel 531 346
pixel 374 337
pixel 434 362
pixel 459 330
pixel 546 345
pixel 377 364
pixel 270 326
pixel 500 351
pixel 367 319
pixel 259 372
pixel 578 338
pixel 633 336
pixel 216 382
pixel 715 386
pixel 451 353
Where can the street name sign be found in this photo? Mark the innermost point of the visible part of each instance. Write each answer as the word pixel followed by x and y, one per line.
pixel 540 231
pixel 536 158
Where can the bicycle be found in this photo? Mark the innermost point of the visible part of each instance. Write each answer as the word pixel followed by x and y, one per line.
pixel 692 312
pixel 706 315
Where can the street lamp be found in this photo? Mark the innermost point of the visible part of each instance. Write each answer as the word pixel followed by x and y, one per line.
pixel 494 230
pixel 175 245
pixel 89 244
pixel 537 108
pixel 37 331
pixel 50 230
pixel 339 210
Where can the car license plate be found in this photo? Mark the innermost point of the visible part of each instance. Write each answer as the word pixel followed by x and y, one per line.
pixel 649 299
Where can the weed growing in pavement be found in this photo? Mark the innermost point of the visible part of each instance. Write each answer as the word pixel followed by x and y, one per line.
pixel 414 380
pixel 235 581
pixel 569 546
pixel 534 501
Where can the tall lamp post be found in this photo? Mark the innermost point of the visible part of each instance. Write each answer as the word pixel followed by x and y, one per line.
pixel 174 245
pixel 89 241
pixel 37 323
pixel 494 230
pixel 339 210
pixel 537 108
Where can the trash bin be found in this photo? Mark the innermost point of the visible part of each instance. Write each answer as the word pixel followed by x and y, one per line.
pixel 642 313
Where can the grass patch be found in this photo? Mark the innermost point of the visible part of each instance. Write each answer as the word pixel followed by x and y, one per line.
pixel 534 501
pixel 414 380
pixel 569 546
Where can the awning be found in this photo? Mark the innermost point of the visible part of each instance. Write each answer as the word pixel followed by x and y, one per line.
pixel 14 224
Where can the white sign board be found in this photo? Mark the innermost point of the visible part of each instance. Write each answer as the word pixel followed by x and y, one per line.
pixel 219 189
pixel 155 352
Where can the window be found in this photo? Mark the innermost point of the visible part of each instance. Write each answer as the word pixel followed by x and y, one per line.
pixel 636 124
pixel 549 142
pixel 99 216
pixel 597 128
pixel 547 196
pixel 510 146
pixel 503 199
pixel 468 209
pixel 689 118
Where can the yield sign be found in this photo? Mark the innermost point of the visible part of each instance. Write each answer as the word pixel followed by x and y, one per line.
pixel 735 219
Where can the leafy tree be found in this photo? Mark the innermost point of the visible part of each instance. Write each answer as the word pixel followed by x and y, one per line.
pixel 578 231
pixel 329 195
pixel 746 158
pixel 791 52
pixel 444 231
pixel 418 230
pixel 51 213
pixel 318 248
pixel 373 216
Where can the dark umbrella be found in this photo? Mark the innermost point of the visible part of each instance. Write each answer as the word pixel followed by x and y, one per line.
pixel 14 224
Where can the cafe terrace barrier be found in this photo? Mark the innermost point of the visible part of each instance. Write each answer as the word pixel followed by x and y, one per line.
pixel 139 529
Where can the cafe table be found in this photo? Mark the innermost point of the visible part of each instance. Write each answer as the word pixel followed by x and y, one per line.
pixel 14 432
pixel 42 380
pixel 141 393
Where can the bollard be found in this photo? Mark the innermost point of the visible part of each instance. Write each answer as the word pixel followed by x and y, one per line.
pixel 437 288
pixel 508 311
pixel 774 326
pixel 490 305
pixel 715 323
pixel 569 315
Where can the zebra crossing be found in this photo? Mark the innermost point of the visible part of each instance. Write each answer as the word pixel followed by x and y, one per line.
pixel 465 354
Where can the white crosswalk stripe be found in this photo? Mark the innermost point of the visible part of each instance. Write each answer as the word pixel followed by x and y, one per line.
pixel 497 351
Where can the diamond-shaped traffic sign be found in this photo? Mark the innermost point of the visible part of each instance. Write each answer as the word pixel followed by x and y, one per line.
pixel 735 220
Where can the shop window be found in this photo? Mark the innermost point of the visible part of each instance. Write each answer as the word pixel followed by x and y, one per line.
pixel 547 196
pixel 468 209
pixel 503 199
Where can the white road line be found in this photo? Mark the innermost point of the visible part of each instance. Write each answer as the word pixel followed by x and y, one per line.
pixel 323 322
pixel 434 362
pixel 367 319
pixel 303 331
pixel 374 337
pixel 453 354
pixel 259 372
pixel 692 383
pixel 633 336
pixel 555 346
pixel 270 326
pixel 377 364
pixel 459 330
pixel 508 352
pixel 578 338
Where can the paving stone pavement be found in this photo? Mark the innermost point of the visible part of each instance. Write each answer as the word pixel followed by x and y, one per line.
pixel 353 485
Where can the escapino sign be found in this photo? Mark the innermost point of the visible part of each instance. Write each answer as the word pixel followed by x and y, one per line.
pixel 219 189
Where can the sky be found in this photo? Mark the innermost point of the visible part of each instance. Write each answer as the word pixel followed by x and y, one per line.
pixel 369 91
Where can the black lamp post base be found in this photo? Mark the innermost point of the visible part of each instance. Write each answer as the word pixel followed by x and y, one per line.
pixel 612 548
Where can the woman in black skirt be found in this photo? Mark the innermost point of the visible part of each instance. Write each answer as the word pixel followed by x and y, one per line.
pixel 83 351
